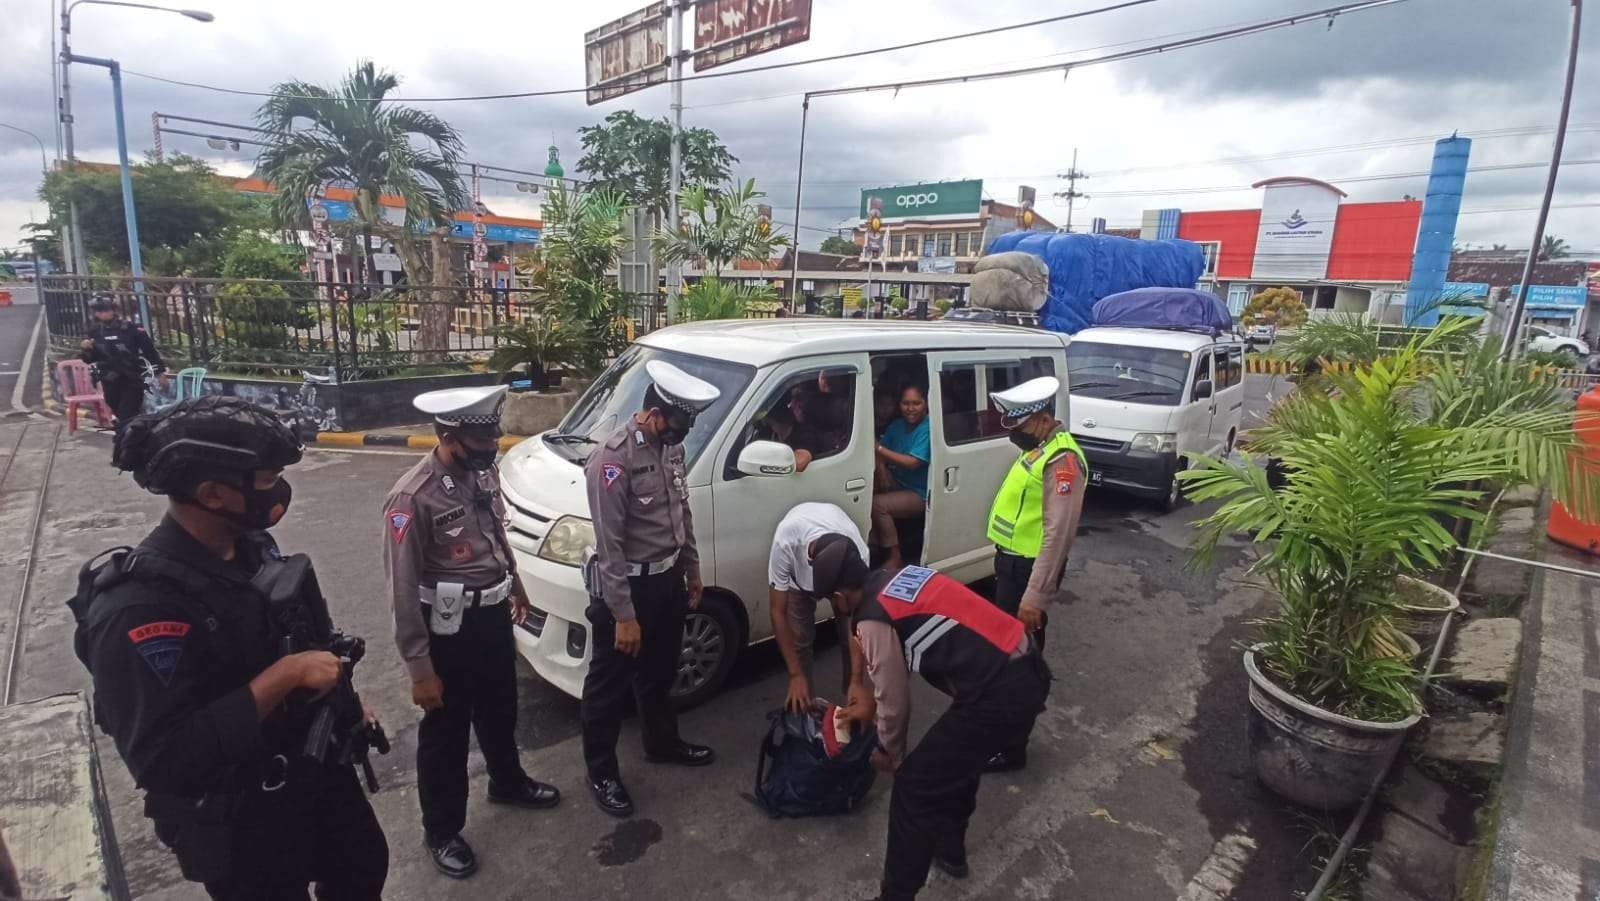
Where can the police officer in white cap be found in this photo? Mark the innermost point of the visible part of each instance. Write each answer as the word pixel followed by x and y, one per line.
pixel 1035 514
pixel 456 594
pixel 644 577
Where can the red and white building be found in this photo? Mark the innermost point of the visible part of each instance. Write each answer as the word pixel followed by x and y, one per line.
pixel 1353 257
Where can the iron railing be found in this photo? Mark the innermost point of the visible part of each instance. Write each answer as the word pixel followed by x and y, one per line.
pixel 349 332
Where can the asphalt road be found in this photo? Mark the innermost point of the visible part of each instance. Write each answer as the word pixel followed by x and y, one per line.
pixel 16 332
pixel 1139 784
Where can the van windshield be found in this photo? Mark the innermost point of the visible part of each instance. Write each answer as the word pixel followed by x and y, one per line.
pixel 1145 375
pixel 619 392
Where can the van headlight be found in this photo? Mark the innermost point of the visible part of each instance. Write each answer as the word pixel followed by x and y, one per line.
pixel 1155 442
pixel 567 540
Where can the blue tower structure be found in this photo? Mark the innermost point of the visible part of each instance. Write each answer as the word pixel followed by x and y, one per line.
pixel 1437 230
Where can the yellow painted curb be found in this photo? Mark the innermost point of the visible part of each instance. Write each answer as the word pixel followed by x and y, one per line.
pixel 342 439
pixel 422 442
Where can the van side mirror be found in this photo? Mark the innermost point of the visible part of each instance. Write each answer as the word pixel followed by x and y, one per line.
pixel 766 458
pixel 1202 389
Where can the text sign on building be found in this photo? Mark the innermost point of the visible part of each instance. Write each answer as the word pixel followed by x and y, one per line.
pixel 1468 298
pixel 945 198
pixel 730 30
pixel 1554 295
pixel 1296 231
pixel 627 54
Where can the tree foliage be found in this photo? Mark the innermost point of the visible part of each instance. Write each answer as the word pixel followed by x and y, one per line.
pixel 1281 307
pixel 1553 248
pixel 719 227
pixel 319 136
pixel 713 298
pixel 630 156
pixel 187 214
pixel 840 245
pixel 582 237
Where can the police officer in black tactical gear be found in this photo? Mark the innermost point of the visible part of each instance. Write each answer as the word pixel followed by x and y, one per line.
pixel 200 677
pixel 119 351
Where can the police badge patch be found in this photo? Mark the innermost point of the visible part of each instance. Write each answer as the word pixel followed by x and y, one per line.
pixel 908 583
pixel 611 472
pixel 399 522
pixel 161 646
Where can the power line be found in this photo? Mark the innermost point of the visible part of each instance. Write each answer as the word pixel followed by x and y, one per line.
pixel 854 54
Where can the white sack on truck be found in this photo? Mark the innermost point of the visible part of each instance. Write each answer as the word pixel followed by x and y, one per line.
pixel 1014 281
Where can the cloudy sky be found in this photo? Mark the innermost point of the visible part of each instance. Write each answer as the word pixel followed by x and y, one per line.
pixel 1387 81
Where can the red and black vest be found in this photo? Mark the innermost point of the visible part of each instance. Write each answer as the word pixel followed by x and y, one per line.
pixel 949 633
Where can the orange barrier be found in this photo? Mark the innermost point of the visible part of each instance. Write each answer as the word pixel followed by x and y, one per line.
pixel 1564 526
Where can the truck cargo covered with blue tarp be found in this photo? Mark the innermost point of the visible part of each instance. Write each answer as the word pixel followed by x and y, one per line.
pixel 1085 268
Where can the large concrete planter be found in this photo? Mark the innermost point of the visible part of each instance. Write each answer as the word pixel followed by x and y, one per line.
pixel 532 412
pixel 1312 757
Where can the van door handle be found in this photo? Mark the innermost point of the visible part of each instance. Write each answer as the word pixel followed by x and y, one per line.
pixel 952 480
pixel 855 484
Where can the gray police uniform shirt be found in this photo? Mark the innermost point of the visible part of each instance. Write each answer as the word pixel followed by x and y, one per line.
pixel 435 530
pixel 640 506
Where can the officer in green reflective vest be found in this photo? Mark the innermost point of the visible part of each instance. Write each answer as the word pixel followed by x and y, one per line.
pixel 1035 515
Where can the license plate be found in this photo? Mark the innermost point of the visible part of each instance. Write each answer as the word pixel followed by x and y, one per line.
pixel 1096 477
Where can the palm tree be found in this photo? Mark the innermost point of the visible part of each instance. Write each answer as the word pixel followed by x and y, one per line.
pixel 351 137
pixel 719 227
pixel 1552 248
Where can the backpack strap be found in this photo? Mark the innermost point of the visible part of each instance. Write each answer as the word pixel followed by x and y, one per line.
pixel 758 796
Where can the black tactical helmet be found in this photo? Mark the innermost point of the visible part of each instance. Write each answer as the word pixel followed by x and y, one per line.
pixel 210 438
pixel 102 302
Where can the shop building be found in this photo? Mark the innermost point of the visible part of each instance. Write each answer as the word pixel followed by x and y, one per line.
pixel 938 226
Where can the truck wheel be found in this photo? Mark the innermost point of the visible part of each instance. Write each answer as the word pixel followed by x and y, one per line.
pixel 1174 497
pixel 712 639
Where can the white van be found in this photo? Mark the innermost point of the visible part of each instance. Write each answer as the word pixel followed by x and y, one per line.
pixel 1146 400
pixel 759 364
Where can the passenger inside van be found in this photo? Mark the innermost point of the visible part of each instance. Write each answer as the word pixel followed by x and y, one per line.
pixel 901 483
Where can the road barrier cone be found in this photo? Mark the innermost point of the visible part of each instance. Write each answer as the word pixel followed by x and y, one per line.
pixel 1565 526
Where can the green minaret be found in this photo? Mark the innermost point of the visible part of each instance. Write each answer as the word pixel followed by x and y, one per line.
pixel 553 168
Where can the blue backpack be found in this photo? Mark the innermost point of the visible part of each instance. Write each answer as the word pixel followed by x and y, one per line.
pixel 795 777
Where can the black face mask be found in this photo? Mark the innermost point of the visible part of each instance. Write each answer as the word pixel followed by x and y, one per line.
pixel 263 507
pixel 674 432
pixel 1022 439
pixel 478 459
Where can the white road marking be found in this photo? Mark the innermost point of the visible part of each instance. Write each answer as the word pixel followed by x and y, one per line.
pixel 27 363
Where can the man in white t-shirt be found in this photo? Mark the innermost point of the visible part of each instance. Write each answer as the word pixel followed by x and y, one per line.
pixel 805 532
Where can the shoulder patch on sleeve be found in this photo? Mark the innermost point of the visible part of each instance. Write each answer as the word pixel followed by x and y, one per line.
pixel 399 523
pixel 1066 474
pixel 908 583
pixel 610 472
pixel 161 646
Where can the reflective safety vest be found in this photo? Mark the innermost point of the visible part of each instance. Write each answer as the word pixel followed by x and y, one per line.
pixel 1016 521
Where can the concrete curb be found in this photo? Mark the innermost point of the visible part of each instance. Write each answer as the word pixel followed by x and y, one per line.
pixel 393 439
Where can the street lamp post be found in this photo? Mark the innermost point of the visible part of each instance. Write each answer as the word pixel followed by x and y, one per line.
pixel 135 261
pixel 78 262
pixel 44 163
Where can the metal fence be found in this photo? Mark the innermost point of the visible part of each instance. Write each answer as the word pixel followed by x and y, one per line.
pixel 351 332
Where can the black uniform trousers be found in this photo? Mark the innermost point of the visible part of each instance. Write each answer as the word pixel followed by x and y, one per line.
pixel 659 603
pixel 1011 575
pixel 478 666
pixel 936 786
pixel 317 829
pixel 124 395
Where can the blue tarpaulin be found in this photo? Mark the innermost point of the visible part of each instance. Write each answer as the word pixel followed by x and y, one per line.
pixel 1085 268
pixel 1164 308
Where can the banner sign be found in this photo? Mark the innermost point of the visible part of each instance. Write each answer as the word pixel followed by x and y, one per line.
pixel 945 198
pixel 1296 231
pixel 626 55
pixel 1554 295
pixel 726 31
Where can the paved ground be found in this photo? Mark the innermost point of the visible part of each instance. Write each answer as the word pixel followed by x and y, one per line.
pixel 16 333
pixel 1139 786
pixel 1550 809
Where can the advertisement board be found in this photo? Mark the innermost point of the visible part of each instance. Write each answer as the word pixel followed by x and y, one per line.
pixel 943 198
pixel 1296 231
pixel 626 55
pixel 729 30
pixel 1554 295
pixel 1463 291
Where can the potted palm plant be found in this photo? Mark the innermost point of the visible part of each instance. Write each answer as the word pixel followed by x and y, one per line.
pixel 534 347
pixel 1377 462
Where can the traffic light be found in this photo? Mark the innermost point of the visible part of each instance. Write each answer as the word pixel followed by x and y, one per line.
pixel 764 219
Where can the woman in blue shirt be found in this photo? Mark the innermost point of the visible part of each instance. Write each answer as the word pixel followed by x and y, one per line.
pixel 902 476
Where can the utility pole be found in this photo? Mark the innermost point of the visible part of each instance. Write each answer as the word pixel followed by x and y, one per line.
pixel 1519 303
pixel 1071 194
pixel 72 248
pixel 675 180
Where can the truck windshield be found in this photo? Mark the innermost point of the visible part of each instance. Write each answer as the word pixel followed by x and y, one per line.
pixel 619 392
pixel 1149 375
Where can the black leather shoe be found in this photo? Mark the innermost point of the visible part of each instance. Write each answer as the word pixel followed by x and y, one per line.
pixel 685 754
pixel 611 796
pixel 452 857
pixel 955 869
pixel 1006 762
pixel 530 794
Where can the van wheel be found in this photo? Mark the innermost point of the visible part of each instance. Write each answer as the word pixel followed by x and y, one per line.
pixel 712 638
pixel 1174 497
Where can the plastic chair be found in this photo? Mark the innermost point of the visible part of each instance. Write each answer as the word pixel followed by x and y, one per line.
pixel 78 390
pixel 188 382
